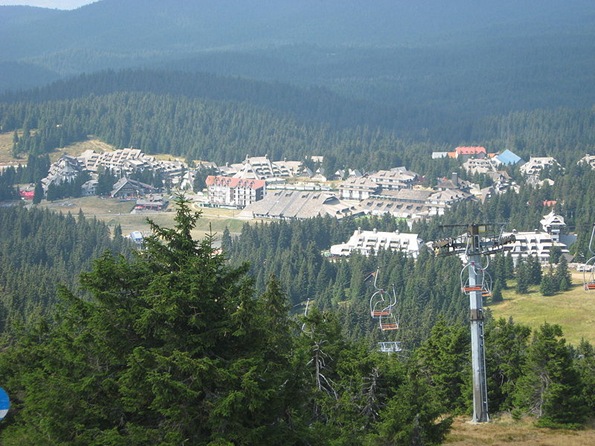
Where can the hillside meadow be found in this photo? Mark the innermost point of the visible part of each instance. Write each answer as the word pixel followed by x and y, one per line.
pixel 573 310
pixel 117 212
pixel 503 430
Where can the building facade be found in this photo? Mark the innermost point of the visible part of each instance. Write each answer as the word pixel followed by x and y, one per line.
pixel 371 242
pixel 234 192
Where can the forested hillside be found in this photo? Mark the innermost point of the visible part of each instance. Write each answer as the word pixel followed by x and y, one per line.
pixel 175 345
pixel 459 60
pixel 220 119
pixel 41 251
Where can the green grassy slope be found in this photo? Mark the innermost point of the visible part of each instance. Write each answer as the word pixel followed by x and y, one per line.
pixel 573 310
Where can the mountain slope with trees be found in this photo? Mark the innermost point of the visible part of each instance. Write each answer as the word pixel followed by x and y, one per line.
pixel 41 251
pixel 183 343
pixel 223 119
pixel 174 345
pixel 462 58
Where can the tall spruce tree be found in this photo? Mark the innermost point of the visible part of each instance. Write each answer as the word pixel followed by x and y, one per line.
pixel 505 358
pixel 551 388
pixel 523 277
pixel 168 348
pixel 562 275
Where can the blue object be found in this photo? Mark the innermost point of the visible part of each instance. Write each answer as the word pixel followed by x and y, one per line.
pixel 4 403
pixel 507 157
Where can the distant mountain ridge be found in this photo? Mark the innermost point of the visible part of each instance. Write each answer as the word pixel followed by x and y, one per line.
pixel 463 58
pixel 123 33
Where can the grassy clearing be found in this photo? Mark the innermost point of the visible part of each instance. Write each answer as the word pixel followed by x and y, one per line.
pixel 573 310
pixel 79 147
pixel 505 431
pixel 75 149
pixel 6 157
pixel 115 212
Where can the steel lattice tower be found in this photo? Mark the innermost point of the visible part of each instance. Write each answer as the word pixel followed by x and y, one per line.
pixel 473 246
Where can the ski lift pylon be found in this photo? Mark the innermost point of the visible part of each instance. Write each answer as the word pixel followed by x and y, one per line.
pixel 589 267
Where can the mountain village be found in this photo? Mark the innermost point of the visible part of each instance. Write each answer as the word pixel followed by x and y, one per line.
pixel 260 188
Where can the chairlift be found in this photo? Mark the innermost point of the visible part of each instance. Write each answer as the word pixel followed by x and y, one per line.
pixel 378 304
pixel 486 291
pixel 390 347
pixel 466 287
pixel 389 321
pixel 378 300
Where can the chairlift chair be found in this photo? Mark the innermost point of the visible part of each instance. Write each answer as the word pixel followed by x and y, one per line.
pixel 466 287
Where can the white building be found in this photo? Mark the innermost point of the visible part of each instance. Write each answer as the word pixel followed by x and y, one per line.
pixel 262 168
pixel 357 188
pixel 554 225
pixel 536 243
pixel 439 201
pixel 394 179
pixel 66 169
pixel 119 161
pixel 371 242
pixel 536 164
pixel 234 192
pixel 479 165
pixel 588 159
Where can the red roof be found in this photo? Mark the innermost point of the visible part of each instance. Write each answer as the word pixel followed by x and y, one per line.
pixel 27 194
pixel 471 150
pixel 234 182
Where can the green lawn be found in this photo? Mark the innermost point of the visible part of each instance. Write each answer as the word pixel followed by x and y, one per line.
pixel 573 310
pixel 114 212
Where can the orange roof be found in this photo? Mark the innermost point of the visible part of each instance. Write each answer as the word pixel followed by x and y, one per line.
pixel 234 182
pixel 471 150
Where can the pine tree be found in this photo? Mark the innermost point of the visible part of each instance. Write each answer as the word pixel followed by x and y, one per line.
pixel 497 292
pixel 551 388
pixel 585 364
pixel 412 416
pixel 171 347
pixel 534 270
pixel 226 241
pixel 522 274
pixel 444 358
pixel 505 358
pixel 38 193
pixel 562 275
pixel 548 286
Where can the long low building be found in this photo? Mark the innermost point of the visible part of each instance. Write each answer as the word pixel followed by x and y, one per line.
pixel 371 242
pixel 297 205
pixel 404 203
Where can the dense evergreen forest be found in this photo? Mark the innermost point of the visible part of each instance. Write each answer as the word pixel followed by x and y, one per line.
pixel 221 120
pixel 41 251
pixel 463 58
pixel 175 345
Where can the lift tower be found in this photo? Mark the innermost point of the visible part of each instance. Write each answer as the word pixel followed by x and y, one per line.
pixel 472 246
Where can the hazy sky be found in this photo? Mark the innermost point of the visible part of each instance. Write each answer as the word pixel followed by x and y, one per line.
pixel 58 4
